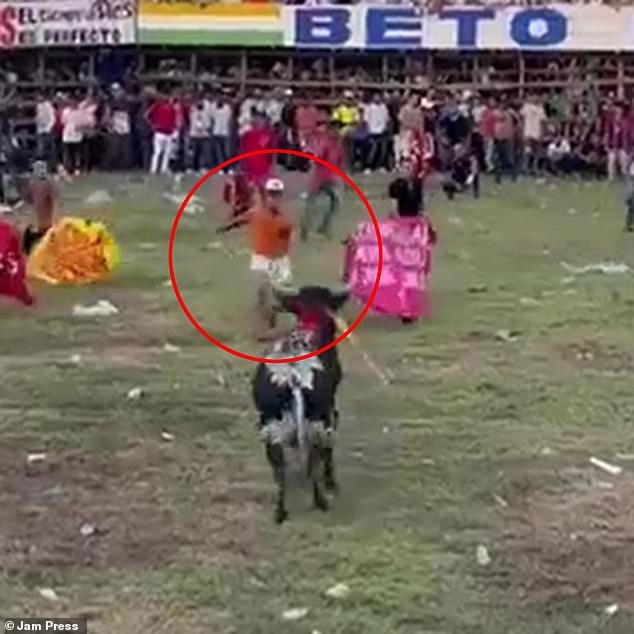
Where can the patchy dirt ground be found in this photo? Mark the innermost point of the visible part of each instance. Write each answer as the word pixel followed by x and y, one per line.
pixel 575 541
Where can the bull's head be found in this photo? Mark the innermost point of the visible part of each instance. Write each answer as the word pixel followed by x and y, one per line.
pixel 315 298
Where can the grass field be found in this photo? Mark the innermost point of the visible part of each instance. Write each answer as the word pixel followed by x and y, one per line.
pixel 482 439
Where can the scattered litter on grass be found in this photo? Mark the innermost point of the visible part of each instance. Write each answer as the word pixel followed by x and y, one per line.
pixel 547 451
pixel 358 454
pixel 501 501
pixel 585 355
pixel 569 291
pixel 482 555
pixel 86 530
pixel 529 301
pixel 454 220
pixel 545 251
pixel 571 211
pixel 295 614
pixel 176 386
pixel 606 466
pixel 135 393
pixel 32 458
pixel 166 436
pixel 98 197
pixel 167 284
pixel 568 280
pixel 75 359
pixel 478 288
pixel 103 308
pixel 194 205
pixel 625 456
pixel 338 591
pixel 147 246
pixel 386 430
pixel 611 610
pixel 507 335
pixel 222 381
pixel 49 594
pixel 608 268
pixel 213 246
pixel 168 347
pixel 428 462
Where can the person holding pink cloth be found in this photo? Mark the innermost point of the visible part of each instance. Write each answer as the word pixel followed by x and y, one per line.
pixel 408 238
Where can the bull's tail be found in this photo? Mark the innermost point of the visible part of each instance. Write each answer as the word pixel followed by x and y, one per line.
pixel 299 413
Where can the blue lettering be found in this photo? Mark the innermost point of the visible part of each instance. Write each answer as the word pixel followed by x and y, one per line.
pixel 539 27
pixel 390 28
pixel 322 27
pixel 467 36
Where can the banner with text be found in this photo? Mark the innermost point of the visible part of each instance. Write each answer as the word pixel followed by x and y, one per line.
pixel 543 28
pixel 43 23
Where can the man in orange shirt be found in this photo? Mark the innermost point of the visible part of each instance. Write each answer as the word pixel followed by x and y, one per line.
pixel 270 232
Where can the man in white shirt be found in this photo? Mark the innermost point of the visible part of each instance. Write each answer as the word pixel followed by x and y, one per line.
pixel 200 123
pixel 44 125
pixel 533 119
pixel 377 120
pixel 222 125
pixel 273 107
pixel 73 120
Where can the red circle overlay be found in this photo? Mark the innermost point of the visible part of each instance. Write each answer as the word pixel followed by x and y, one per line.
pixel 237 353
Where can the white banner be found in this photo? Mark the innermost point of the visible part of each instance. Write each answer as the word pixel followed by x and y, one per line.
pixel 542 28
pixel 37 23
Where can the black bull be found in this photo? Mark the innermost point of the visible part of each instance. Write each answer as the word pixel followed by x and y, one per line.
pixel 297 401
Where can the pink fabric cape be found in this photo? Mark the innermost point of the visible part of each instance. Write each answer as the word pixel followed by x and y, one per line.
pixel 12 265
pixel 407 247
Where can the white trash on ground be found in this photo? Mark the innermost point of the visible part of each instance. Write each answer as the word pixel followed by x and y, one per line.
pixel 86 530
pixel 168 347
pixel 482 555
pixel 32 458
pixel 103 308
pixel 166 436
pixel 48 593
pixel 606 466
pixel 338 591
pixel 295 614
pixel 608 268
pixel 135 393
pixel 611 610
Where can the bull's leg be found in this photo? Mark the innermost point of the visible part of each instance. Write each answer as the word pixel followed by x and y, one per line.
pixel 275 455
pixel 316 466
pixel 327 456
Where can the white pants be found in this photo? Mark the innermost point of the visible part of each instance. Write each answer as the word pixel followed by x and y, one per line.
pixel 161 153
pixel 278 270
pixel 617 158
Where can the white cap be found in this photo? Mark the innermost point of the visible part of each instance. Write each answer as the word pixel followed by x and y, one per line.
pixel 274 185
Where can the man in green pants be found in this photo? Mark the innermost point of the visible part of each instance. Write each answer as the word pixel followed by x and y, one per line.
pixel 326 145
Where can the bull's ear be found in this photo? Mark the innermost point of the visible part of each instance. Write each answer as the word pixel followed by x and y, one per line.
pixel 338 299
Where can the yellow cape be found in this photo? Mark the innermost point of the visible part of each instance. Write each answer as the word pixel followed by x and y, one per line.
pixel 74 251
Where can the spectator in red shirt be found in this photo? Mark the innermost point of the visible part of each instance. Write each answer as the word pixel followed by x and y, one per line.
pixel 326 145
pixel 306 117
pixel 617 138
pixel 258 169
pixel 162 118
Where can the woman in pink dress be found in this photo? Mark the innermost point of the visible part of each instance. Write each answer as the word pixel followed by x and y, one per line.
pixel 408 238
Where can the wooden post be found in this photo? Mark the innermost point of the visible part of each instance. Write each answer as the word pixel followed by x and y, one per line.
pixel 620 76
pixel 243 71
pixel 522 74
pixel 332 74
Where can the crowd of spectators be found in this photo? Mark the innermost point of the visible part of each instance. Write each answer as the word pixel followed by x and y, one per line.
pixel 583 135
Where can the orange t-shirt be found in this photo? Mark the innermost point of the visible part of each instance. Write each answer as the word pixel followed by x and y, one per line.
pixel 270 232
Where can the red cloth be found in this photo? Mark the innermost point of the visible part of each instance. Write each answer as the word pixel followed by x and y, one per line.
pixel 258 168
pixel 162 117
pixel 12 265
pixel 487 123
pixel 328 147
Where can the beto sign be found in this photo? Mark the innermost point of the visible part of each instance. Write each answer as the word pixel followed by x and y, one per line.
pixel 539 28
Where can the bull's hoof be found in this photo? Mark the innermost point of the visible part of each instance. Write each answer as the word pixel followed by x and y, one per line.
pixel 280 516
pixel 332 486
pixel 321 503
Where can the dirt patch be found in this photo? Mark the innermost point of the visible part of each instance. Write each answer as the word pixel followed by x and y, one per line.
pixel 576 541
pixel 137 507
